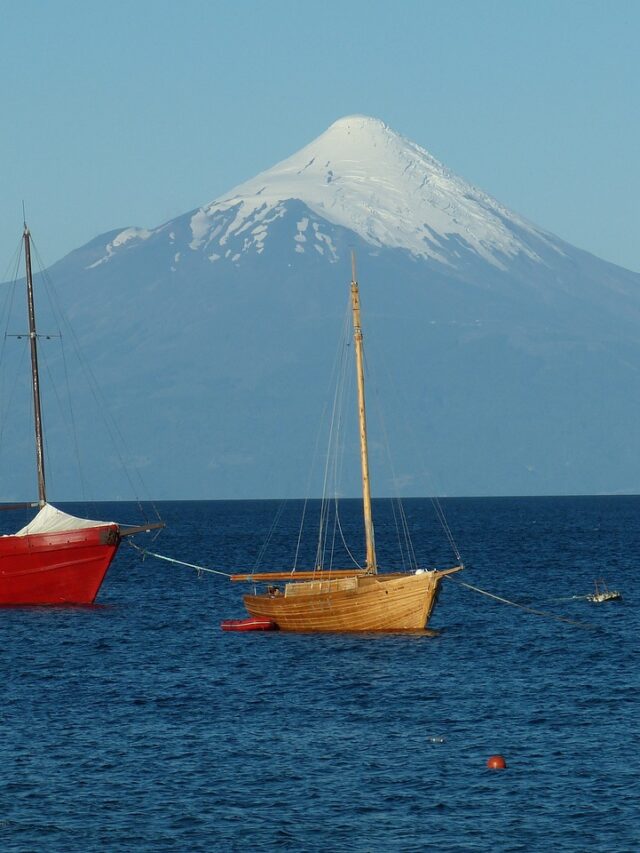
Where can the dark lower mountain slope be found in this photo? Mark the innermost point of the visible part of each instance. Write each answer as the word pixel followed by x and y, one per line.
pixel 516 380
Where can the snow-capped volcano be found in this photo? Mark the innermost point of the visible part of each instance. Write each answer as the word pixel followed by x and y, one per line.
pixel 362 175
pixel 514 355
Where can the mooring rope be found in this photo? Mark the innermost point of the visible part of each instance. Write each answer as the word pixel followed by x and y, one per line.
pixel 544 613
pixel 566 598
pixel 477 589
pixel 179 562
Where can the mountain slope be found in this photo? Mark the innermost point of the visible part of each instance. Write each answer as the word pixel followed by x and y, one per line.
pixel 508 359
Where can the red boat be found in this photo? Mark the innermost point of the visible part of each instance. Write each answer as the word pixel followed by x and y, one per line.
pixel 253 623
pixel 57 558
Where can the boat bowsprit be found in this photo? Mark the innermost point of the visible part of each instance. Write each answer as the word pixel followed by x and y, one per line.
pixel 253 623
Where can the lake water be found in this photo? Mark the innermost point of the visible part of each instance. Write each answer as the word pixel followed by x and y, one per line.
pixel 139 725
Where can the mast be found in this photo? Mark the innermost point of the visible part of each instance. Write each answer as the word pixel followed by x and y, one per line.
pixel 362 419
pixel 35 379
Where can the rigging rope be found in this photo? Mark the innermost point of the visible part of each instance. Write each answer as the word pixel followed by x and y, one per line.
pixel 74 431
pixel 179 562
pixel 115 433
pixel 544 613
pixel 272 529
pixel 435 502
pixel 338 452
pixel 333 448
pixel 12 392
pixel 405 543
pixel 334 370
pixel 7 309
pixel 332 460
pixel 344 541
pixel 416 455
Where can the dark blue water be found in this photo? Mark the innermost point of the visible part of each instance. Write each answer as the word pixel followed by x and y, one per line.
pixel 138 725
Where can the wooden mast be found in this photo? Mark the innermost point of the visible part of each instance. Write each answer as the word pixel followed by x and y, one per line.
pixel 35 379
pixel 362 419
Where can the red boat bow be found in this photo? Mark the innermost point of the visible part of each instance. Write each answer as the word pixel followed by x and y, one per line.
pixel 56 559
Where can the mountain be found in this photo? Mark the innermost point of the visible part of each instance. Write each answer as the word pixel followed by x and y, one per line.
pixel 514 355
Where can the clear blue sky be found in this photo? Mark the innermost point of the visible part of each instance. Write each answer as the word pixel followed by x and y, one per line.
pixel 130 113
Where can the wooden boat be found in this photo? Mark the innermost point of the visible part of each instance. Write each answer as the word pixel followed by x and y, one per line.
pixel 57 558
pixel 603 593
pixel 349 599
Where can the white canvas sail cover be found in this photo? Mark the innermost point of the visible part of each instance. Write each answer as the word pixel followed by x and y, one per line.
pixel 52 520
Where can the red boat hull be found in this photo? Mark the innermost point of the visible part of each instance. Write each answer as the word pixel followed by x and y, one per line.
pixel 254 623
pixel 65 567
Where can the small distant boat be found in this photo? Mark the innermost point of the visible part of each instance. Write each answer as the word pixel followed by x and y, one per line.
pixel 603 593
pixel 250 624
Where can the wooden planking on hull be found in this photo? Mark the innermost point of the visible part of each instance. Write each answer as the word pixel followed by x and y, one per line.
pixel 400 602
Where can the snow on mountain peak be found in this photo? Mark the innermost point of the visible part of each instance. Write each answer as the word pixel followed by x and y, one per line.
pixel 362 175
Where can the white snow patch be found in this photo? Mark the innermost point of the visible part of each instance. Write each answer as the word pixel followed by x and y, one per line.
pixel 130 234
pixel 302 227
pixel 260 233
pixel 121 240
pixel 199 225
pixel 328 243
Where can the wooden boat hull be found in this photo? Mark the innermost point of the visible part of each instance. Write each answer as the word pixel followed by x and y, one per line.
pixel 66 567
pixel 383 602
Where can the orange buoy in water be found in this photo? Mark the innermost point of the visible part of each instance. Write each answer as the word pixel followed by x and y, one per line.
pixel 496 762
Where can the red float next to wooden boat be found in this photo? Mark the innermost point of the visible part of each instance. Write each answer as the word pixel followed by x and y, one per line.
pixel 253 623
